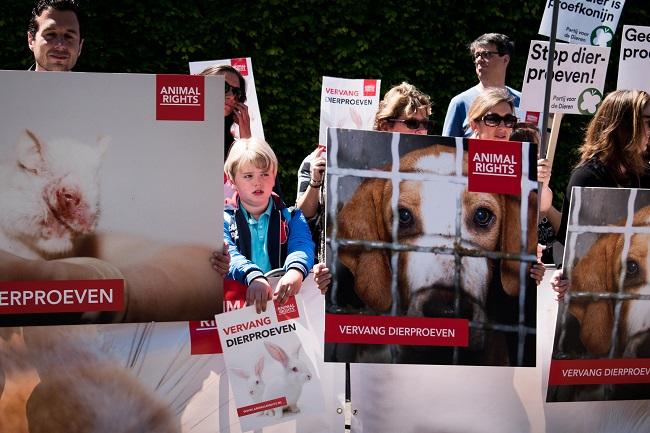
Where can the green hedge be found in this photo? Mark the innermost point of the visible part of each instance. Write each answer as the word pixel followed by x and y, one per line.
pixel 293 44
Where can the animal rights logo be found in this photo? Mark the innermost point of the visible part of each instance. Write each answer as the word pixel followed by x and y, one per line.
pixel 589 100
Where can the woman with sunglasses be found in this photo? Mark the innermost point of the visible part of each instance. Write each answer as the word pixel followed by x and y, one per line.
pixel 491 115
pixel 404 109
pixel 235 110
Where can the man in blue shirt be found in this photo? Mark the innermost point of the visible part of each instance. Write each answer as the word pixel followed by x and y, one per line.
pixel 491 54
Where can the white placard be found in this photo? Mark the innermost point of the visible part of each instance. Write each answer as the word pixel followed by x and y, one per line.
pixel 245 66
pixel 347 103
pixel 272 359
pixel 584 22
pixel 634 62
pixel 578 78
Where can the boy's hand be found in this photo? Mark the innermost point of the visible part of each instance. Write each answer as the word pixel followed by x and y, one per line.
pixel 322 277
pixel 288 285
pixel 220 260
pixel 258 293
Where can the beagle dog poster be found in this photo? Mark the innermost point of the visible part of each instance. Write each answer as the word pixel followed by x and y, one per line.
pixel 602 337
pixel 430 260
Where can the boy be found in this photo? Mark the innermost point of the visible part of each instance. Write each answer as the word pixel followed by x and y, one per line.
pixel 262 234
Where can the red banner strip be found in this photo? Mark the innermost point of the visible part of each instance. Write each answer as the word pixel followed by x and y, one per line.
pixel 259 407
pixel 599 371
pixel 411 331
pixel 64 296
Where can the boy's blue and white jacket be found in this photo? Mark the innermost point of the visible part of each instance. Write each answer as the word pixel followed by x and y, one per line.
pixel 288 242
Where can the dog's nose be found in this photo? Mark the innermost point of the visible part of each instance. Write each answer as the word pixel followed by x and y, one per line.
pixel 440 301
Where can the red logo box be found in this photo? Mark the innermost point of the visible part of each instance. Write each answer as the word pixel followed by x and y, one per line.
pixel 204 337
pixel 369 87
pixel 241 65
pixel 494 166
pixel 180 97
pixel 287 311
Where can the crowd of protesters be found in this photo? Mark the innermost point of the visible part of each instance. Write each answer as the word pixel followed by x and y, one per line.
pixel 614 152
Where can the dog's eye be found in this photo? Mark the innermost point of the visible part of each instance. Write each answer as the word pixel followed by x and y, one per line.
pixel 295 369
pixel 405 216
pixel 632 268
pixel 483 217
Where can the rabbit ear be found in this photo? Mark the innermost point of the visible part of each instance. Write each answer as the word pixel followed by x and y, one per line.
pixel 241 373
pixel 259 366
pixel 277 353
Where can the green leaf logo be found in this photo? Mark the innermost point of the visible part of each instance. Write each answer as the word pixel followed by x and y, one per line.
pixel 602 36
pixel 589 100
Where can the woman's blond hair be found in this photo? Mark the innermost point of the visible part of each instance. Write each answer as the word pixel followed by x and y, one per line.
pixel 252 150
pixel 615 132
pixel 488 99
pixel 404 99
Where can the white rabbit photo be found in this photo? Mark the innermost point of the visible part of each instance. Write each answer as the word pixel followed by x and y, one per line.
pixel 289 383
pixel 254 381
pixel 274 364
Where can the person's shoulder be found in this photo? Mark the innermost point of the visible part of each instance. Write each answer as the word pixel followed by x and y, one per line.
pixel 470 93
pixel 516 94
pixel 589 173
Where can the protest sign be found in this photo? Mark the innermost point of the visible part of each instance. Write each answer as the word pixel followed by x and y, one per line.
pixel 590 22
pixel 578 78
pixel 634 61
pixel 602 332
pixel 113 378
pixel 347 103
pixel 245 67
pixel 273 361
pixel 100 176
pixel 423 297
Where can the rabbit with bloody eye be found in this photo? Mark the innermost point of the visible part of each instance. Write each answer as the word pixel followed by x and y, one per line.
pixel 289 383
pixel 254 382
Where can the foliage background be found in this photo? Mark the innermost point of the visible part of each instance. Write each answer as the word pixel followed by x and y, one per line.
pixel 293 44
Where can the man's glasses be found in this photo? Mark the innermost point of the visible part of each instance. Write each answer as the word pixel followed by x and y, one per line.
pixel 234 91
pixel 485 55
pixel 492 119
pixel 414 123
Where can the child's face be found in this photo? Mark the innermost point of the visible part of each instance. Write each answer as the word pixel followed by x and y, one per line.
pixel 254 186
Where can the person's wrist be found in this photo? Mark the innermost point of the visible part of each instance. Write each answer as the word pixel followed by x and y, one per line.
pixel 315 183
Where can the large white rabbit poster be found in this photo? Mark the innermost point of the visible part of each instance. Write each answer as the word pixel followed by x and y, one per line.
pixel 347 103
pixel 245 67
pixel 272 359
pixel 111 197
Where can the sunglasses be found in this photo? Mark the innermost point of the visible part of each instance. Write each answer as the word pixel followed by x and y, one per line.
pixel 492 119
pixel 486 55
pixel 234 91
pixel 413 123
